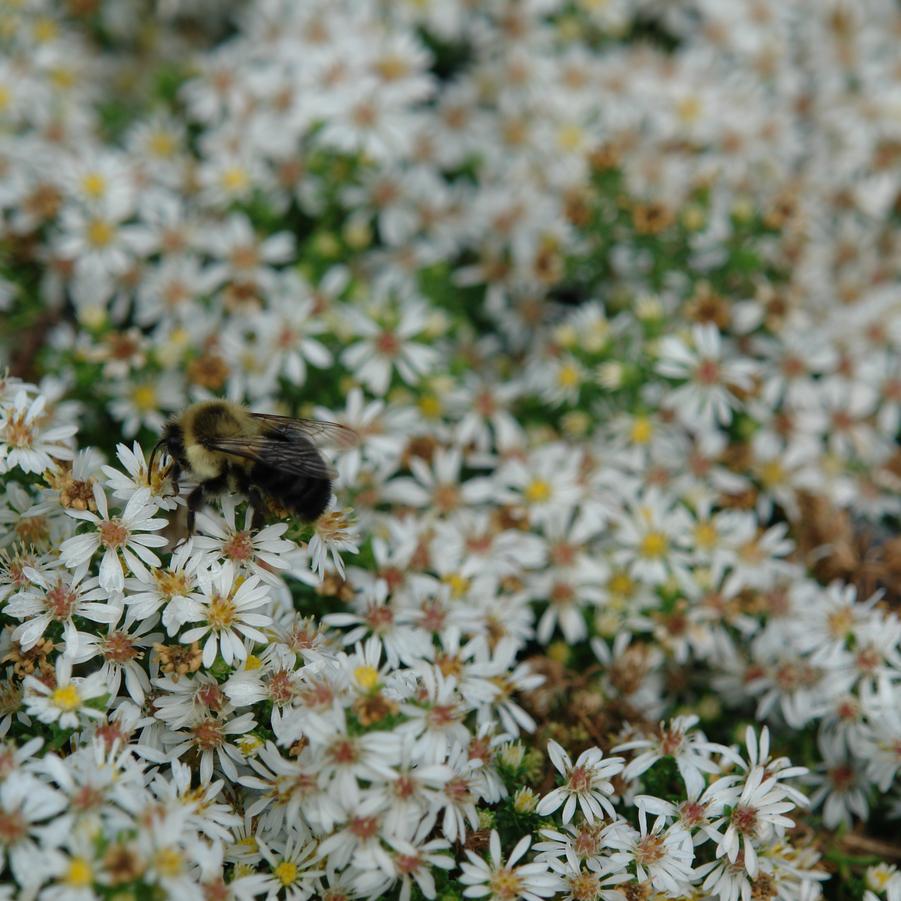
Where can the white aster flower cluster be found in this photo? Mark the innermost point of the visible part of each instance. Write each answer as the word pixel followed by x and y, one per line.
pixel 607 291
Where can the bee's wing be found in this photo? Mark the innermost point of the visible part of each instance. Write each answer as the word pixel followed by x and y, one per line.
pixel 294 455
pixel 329 433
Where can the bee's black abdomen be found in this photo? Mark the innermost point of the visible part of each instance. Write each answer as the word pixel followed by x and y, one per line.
pixel 305 496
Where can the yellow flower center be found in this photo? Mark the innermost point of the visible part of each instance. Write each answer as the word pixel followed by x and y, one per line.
pixel 62 77
pixel 66 697
pixel 234 178
pixel 94 185
pixel 570 137
pixel 161 144
pixel 430 406
pixel 79 874
pixel 367 677
pixel 538 491
pixel 169 862
pixel 222 612
pixel 100 233
pixel 621 584
pixel 654 544
pixel 144 398
pixel 568 376
pixel 286 872
pixel 458 584
pixel 689 110
pixel 252 662
pixel 642 430
pixel 705 535
pixel 45 30
pixel 505 884
pixel 772 473
pixel 250 744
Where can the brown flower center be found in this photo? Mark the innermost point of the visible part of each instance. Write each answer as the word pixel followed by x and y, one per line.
pixel 505 884
pixel 208 735
pixel 113 534
pixel 119 648
pixel 744 818
pixel 579 779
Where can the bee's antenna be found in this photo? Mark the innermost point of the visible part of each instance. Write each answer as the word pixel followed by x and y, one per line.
pixel 161 443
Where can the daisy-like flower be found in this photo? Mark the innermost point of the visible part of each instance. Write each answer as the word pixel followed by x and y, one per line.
pixel 662 855
pixel 66 701
pixel 57 597
pixel 690 750
pixel 545 484
pixel 291 790
pixel 413 862
pixel 226 606
pixel 586 784
pixel 839 784
pixel 168 589
pixel 27 808
pixel 333 532
pixel 124 487
pixel 293 864
pixel 497 880
pixel 210 738
pixel 436 716
pixel 261 553
pixel 385 348
pixel 25 440
pixel 288 330
pixel 756 815
pixel 130 535
pixel 708 396
pixel 122 650
pixel 651 537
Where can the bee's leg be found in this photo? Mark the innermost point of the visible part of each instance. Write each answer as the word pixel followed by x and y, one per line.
pixel 174 476
pixel 258 503
pixel 195 502
pixel 198 496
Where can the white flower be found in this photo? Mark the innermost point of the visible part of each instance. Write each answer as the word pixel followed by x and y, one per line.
pixel 385 348
pixel 124 487
pixel 225 605
pixel 27 810
pixel 586 784
pixel 128 535
pixel 209 737
pixel 499 881
pixel 756 814
pixel 67 701
pixel 263 553
pixel 57 598
pixel 662 855
pixel 709 395
pixel 25 443
pixel 333 532
pixel 690 750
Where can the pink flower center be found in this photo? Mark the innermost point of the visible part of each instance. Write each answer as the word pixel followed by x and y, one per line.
pixel 388 344
pixel 364 827
pixel 119 648
pixel 579 779
pixel 744 818
pixel 113 534
pixel 708 372
pixel 239 547
pixel 61 601
pixel 208 734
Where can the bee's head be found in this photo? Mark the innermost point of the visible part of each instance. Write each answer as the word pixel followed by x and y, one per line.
pixel 172 442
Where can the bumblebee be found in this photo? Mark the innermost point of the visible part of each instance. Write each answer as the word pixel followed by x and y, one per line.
pixel 226 447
